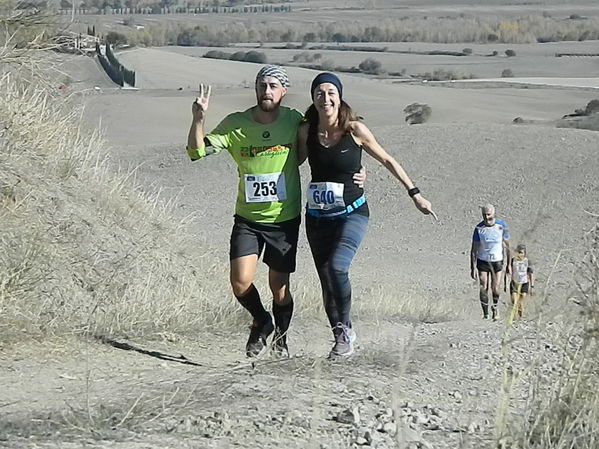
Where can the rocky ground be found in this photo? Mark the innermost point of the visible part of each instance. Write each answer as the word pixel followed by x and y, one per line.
pixel 418 386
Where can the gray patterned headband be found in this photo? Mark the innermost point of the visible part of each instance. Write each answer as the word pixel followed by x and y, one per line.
pixel 275 71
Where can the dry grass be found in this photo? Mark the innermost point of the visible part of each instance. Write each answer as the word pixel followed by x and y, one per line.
pixel 562 409
pixel 81 248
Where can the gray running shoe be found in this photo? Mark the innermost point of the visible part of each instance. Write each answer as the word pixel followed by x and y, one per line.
pixel 344 341
pixel 279 345
pixel 259 332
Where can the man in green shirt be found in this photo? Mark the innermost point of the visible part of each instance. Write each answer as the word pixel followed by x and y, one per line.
pixel 262 142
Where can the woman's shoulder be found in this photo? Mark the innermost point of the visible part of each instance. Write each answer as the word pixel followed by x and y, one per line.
pixel 359 130
pixel 357 127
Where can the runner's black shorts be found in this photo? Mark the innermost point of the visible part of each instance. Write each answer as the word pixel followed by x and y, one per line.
pixel 277 240
pixel 489 267
pixel 514 287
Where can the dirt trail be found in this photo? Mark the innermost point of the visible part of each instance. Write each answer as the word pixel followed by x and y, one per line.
pixel 427 385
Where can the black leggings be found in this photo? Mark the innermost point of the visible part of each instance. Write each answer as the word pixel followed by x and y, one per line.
pixel 334 242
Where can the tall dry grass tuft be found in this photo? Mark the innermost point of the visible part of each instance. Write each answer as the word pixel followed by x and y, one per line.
pixel 563 407
pixel 27 32
pixel 82 249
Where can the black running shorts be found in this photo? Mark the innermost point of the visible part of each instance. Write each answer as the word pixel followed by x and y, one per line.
pixel 489 267
pixel 514 287
pixel 278 240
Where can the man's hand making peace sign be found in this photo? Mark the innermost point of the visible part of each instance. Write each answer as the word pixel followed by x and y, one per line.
pixel 198 111
pixel 200 105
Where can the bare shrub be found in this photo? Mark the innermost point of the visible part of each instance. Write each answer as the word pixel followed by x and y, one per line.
pixel 327 64
pixel 507 73
pixel 26 33
pixel 446 75
pixel 592 107
pixel 304 56
pixel 129 21
pixel 115 38
pixel 255 56
pixel 372 66
pixel 510 53
pixel 217 54
pixel 417 113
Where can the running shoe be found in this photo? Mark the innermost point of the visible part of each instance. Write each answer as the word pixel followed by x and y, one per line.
pixel 259 332
pixel 279 345
pixel 344 341
pixel 494 313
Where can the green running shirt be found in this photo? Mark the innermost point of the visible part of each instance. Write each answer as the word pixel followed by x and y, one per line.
pixel 266 156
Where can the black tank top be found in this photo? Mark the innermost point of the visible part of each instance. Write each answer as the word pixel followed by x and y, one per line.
pixel 337 163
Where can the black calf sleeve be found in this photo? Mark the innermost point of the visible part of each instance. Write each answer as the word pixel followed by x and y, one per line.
pixel 484 302
pixel 251 302
pixel 282 314
pixel 495 299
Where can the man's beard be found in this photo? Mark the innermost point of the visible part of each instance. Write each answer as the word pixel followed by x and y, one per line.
pixel 268 105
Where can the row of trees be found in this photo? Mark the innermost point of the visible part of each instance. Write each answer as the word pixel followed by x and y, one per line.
pixel 164 7
pixel 528 30
pixel 115 70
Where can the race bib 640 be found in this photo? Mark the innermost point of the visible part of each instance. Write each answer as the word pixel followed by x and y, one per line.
pixel 325 195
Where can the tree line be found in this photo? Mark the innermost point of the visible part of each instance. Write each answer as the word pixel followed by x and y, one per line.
pixel 459 30
pixel 115 70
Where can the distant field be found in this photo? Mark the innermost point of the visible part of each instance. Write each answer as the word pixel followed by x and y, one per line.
pixel 359 11
pixel 530 59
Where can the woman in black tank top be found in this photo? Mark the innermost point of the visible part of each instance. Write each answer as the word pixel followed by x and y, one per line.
pixel 337 213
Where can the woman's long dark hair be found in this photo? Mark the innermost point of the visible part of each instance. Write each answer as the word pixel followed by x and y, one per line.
pixel 346 115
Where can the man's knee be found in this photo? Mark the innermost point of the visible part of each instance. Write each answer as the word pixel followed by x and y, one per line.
pixel 241 274
pixel 484 298
pixel 240 283
pixel 279 286
pixel 496 288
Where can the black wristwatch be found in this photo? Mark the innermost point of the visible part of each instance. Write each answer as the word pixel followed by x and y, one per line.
pixel 413 191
